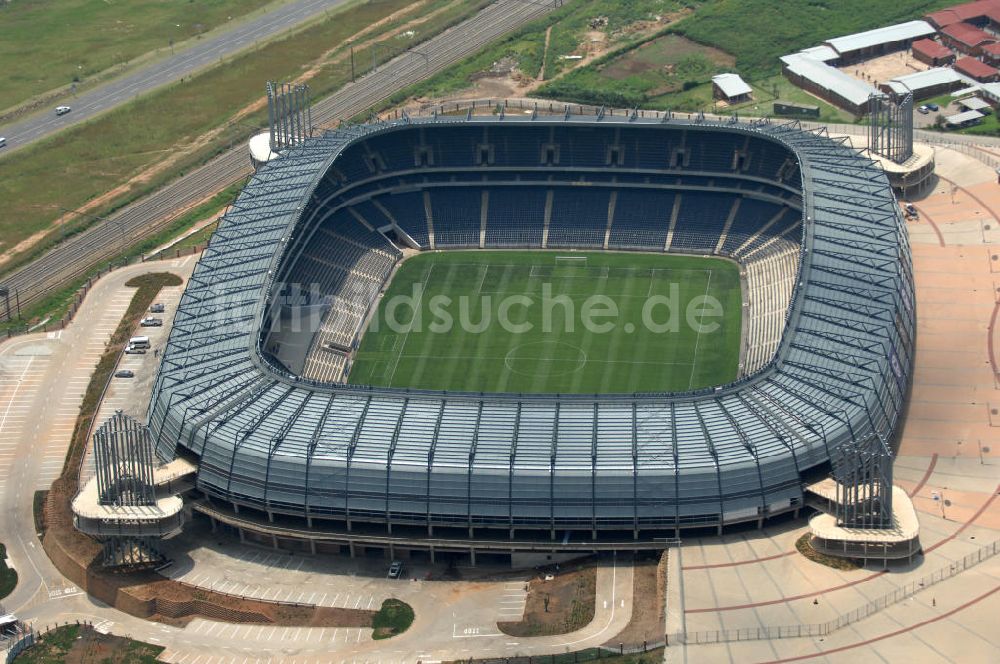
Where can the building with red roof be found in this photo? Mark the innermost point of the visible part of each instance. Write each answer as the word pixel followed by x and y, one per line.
pixel 932 53
pixel 976 69
pixel 978 13
pixel 966 38
pixel 991 54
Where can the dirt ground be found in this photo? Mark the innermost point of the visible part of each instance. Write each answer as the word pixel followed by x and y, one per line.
pixel 647 607
pixel 560 605
pixel 594 44
pixel 881 69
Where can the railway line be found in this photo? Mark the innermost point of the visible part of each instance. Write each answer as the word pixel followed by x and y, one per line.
pixel 74 257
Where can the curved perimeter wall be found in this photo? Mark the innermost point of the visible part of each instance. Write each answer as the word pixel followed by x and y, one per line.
pixel 268 440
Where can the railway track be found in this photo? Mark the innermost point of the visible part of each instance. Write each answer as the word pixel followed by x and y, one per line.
pixel 75 256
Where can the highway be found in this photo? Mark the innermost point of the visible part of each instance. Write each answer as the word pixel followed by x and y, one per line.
pixel 72 258
pixel 203 53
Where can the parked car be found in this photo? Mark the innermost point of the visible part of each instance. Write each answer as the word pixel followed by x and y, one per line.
pixel 132 350
pixel 63 110
pixel 3 142
pixel 923 109
pixel 124 373
pixel 157 308
pixel 151 322
pixel 933 107
pixel 395 569
pixel 910 209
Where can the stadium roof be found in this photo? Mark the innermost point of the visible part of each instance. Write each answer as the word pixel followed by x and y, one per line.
pixel 886 35
pixel 966 12
pixel 968 35
pixel 931 48
pixel 923 80
pixel 732 85
pixel 264 437
pixel 830 78
pixel 977 69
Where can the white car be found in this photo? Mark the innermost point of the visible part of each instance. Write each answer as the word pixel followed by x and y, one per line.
pixel 63 110
pixel 3 142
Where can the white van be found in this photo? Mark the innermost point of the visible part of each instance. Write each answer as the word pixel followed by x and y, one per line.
pixel 139 342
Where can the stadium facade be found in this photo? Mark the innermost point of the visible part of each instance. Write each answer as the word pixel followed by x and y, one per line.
pixel 282 447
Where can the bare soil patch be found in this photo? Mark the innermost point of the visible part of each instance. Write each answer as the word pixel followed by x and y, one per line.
pixel 560 605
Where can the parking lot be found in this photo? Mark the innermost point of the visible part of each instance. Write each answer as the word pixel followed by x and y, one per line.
pixel 131 395
pixel 247 571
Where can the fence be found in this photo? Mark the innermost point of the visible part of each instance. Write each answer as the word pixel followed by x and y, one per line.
pixel 14 646
pixel 860 613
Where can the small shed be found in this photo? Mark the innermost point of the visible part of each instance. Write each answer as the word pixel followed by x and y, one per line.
pixel 975 104
pixel 731 88
pixel 964 119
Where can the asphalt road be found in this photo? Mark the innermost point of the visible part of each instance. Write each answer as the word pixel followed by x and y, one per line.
pixel 201 54
pixel 72 258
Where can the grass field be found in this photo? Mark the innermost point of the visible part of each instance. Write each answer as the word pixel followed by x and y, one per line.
pixel 88 160
pixel 47 44
pixel 529 322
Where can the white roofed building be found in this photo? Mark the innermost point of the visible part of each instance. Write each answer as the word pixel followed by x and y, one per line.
pixel 731 88
pixel 929 83
pixel 871 43
pixel 828 83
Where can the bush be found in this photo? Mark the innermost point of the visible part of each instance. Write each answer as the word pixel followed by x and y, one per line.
pixel 8 577
pixel 395 617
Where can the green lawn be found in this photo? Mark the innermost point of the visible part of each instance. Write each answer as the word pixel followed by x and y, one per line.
pixel 523 321
pixel 47 44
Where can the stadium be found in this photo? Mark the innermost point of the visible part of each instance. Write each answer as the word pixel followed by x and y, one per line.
pixel 308 425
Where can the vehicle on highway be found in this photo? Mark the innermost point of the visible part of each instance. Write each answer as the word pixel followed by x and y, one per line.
pixel 157 308
pixel 3 142
pixel 923 109
pixel 933 107
pixel 124 373
pixel 63 110
pixel 132 350
pixel 395 569
pixel 151 322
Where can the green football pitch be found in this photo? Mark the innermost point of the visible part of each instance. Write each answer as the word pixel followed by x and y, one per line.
pixel 544 321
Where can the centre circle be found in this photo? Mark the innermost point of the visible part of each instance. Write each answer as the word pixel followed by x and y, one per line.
pixel 555 358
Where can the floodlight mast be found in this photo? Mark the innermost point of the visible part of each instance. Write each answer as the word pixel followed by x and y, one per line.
pixel 890 132
pixel 289 114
